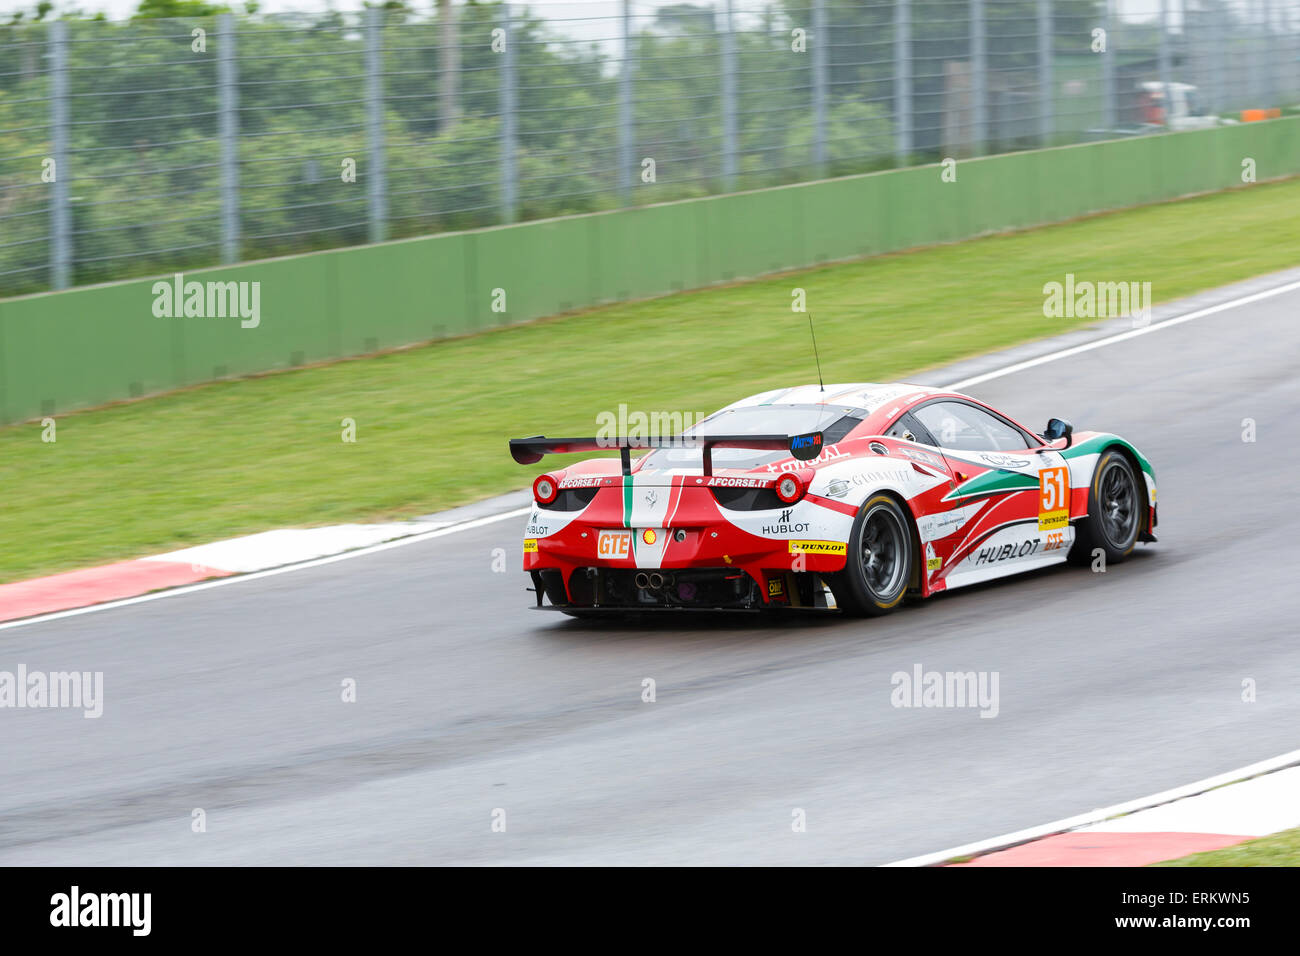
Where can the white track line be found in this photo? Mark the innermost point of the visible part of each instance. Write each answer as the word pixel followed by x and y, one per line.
pixel 479 522
pixel 235 579
pixel 1123 336
pixel 1105 813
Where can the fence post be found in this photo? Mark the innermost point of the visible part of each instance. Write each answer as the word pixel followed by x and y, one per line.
pixel 448 66
pixel 1269 98
pixel 625 119
pixel 820 46
pixel 377 191
pixel 1251 29
pixel 1163 64
pixel 1046 93
pixel 729 135
pixel 60 228
pixel 1108 115
pixel 978 79
pixel 509 181
pixel 1219 24
pixel 1201 40
pixel 902 81
pixel 228 125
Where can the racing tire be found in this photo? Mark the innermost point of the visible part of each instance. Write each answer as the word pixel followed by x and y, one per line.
pixel 879 563
pixel 1116 505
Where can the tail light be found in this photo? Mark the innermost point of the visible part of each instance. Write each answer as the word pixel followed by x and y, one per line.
pixel 545 489
pixel 791 487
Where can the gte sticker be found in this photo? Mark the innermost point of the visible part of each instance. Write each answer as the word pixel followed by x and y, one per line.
pixel 530 546
pixel 1053 499
pixel 614 544
pixel 818 547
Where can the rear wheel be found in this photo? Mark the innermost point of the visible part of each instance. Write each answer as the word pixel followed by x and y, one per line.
pixel 878 566
pixel 1115 506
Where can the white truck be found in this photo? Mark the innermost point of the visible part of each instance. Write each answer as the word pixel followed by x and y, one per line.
pixel 1175 106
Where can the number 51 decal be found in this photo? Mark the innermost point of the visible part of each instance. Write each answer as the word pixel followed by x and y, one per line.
pixel 1053 498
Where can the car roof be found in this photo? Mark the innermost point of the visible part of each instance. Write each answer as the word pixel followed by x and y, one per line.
pixel 866 397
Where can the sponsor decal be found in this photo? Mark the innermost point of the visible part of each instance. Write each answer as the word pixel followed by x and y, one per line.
pixel 919 455
pixel 829 453
pixel 799 527
pixel 737 483
pixel 994 554
pixel 593 482
pixel 949 519
pixel 530 546
pixel 872 477
pixel 1055 541
pixel 932 561
pixel 613 544
pixel 1006 461
pixel 818 547
pixel 805 441
pixel 649 536
pixel 775 588
pixel 536 530
pixel 1053 498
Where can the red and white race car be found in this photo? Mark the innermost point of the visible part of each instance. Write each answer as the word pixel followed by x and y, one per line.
pixel 849 496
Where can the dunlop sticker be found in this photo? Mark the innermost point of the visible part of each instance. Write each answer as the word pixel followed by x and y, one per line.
pixel 818 547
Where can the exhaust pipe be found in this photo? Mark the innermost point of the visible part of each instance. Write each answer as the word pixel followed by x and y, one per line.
pixel 656 581
pixel 642 580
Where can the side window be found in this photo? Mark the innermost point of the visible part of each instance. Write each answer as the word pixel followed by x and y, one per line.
pixel 909 429
pixel 967 428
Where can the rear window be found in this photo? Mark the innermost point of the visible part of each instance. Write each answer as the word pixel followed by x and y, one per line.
pixel 834 422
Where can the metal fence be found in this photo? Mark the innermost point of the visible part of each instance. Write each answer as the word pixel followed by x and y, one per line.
pixel 158 145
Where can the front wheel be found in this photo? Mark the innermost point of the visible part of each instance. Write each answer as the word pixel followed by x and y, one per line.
pixel 878 566
pixel 1115 506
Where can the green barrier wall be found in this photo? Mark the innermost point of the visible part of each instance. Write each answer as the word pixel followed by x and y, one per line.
pixel 67 350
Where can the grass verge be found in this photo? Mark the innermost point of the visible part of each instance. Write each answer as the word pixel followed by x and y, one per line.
pixel 431 423
pixel 1278 849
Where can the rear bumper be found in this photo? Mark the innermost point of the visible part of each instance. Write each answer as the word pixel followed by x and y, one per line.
pixel 724 589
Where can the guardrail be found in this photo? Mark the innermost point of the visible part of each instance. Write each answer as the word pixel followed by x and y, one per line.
pixel 84 347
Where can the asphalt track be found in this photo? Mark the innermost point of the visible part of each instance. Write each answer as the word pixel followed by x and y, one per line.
pixel 1112 685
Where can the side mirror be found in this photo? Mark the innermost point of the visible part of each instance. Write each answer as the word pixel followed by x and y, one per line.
pixel 1058 428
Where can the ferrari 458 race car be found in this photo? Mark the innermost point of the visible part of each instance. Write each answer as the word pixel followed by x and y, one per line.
pixel 848 497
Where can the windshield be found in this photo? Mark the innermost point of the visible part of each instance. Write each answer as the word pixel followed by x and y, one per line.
pixel 833 421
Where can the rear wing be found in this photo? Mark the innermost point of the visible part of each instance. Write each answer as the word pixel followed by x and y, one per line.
pixel 529 451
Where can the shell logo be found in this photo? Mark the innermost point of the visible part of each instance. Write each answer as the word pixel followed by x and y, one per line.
pixel 649 536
